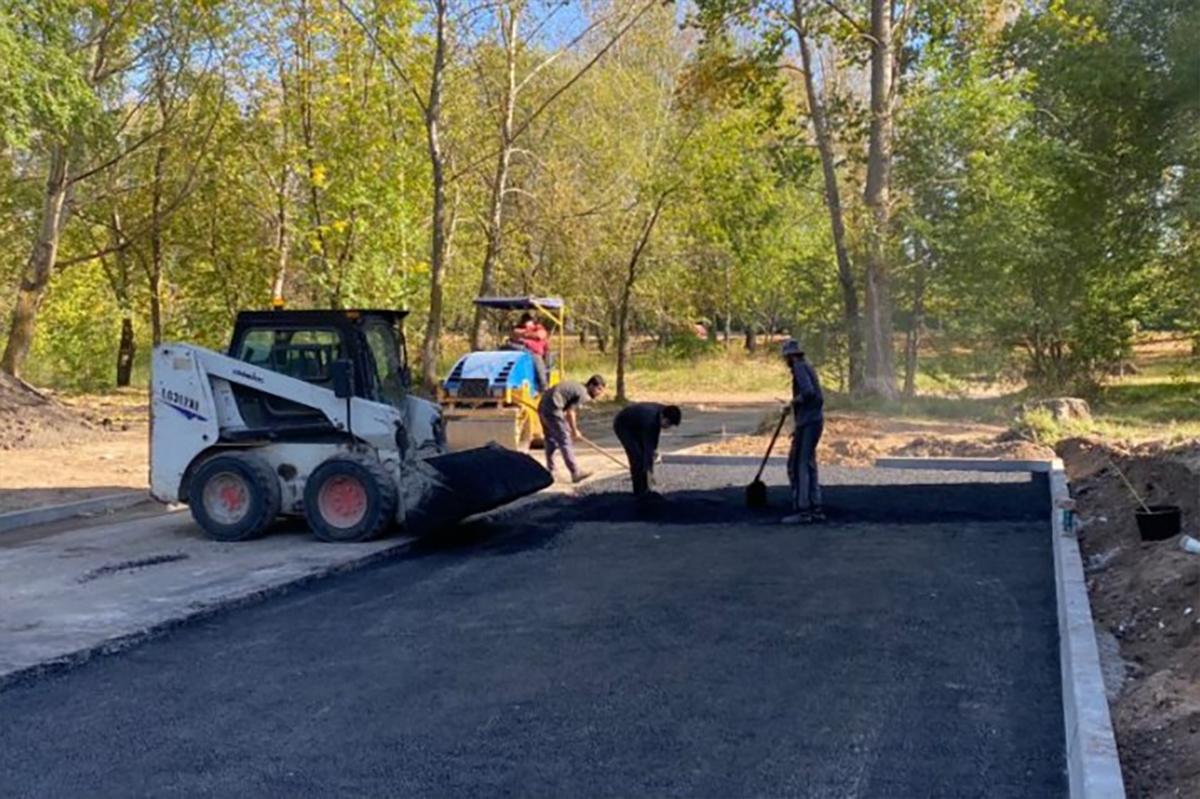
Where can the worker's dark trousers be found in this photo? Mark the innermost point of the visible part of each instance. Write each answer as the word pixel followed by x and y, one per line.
pixel 558 438
pixel 541 373
pixel 802 466
pixel 641 459
pixel 539 368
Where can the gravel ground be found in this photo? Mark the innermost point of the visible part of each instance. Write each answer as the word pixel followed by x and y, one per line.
pixel 585 647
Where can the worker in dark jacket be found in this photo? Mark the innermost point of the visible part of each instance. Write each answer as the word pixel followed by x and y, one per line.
pixel 809 418
pixel 638 427
pixel 558 410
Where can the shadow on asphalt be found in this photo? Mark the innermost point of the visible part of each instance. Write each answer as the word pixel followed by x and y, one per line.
pixel 536 526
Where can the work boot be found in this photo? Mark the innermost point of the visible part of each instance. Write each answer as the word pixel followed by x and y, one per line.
pixel 804 517
pixel 818 514
pixel 580 476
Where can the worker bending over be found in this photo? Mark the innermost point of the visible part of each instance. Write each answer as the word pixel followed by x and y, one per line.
pixel 809 418
pixel 638 427
pixel 558 410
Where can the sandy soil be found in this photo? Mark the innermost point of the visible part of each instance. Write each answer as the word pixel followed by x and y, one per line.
pixel 857 440
pixel 58 449
pixel 1146 595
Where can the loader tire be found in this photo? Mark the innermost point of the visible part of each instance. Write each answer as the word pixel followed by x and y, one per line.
pixel 234 497
pixel 349 498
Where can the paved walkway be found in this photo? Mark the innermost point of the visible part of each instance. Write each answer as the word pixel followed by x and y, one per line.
pixel 583 648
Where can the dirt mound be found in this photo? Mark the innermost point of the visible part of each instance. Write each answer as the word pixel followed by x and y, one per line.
pixel 1148 596
pixel 29 418
pixel 929 447
pixel 853 440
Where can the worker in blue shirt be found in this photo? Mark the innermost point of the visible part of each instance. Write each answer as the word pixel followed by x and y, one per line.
pixel 809 419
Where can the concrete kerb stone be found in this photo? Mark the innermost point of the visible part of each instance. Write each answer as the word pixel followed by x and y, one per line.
pixel 966 464
pixel 109 503
pixel 1093 763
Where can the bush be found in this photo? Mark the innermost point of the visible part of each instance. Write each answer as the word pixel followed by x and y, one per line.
pixel 1038 425
pixel 686 345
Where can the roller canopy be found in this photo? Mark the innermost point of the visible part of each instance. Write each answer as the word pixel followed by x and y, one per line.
pixel 520 303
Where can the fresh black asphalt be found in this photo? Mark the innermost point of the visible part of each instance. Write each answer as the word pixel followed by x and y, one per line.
pixel 585 647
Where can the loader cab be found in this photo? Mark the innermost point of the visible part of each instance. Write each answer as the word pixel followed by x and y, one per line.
pixel 306 344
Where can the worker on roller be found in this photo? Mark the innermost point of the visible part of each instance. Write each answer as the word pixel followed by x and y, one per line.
pixel 558 409
pixel 638 427
pixel 531 335
pixel 809 419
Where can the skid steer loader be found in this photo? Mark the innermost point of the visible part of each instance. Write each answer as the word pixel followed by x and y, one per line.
pixel 310 414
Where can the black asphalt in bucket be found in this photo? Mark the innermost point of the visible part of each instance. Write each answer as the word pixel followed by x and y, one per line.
pixel 1158 522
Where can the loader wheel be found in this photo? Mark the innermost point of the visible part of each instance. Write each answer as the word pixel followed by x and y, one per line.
pixel 234 497
pixel 349 498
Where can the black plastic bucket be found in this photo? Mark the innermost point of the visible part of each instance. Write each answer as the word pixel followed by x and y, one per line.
pixel 1159 524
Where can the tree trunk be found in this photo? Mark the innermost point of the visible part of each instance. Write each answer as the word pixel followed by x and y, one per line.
pixel 912 345
pixel 627 295
pixel 431 347
pixel 39 267
pixel 283 241
pixel 751 338
pixel 126 350
pixel 623 331
pixel 833 202
pixel 305 70
pixel 495 225
pixel 156 248
pixel 728 320
pixel 880 379
pixel 120 281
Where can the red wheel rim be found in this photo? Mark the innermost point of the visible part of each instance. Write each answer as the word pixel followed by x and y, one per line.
pixel 226 498
pixel 342 501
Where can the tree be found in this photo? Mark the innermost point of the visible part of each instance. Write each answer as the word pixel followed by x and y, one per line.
pixel 109 45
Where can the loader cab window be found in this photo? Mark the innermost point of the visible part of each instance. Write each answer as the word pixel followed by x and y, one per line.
pixel 387 354
pixel 305 354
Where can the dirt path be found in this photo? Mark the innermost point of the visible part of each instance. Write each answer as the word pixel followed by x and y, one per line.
pixel 103 464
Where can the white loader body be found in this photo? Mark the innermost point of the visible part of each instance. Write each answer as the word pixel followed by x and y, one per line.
pixel 194 414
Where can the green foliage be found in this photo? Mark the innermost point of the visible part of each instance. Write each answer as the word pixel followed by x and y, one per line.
pixel 1045 196
pixel 77 346
pixel 1039 425
pixel 42 85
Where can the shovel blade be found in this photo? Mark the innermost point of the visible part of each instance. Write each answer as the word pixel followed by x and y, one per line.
pixel 756 494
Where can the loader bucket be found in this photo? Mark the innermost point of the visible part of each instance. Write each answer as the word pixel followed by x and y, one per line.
pixel 445 489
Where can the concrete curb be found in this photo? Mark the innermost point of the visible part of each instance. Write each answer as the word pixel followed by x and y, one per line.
pixel 1093 764
pixel 967 464
pixel 683 458
pixel 86 507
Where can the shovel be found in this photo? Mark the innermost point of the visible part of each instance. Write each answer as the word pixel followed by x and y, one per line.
pixel 756 492
pixel 604 452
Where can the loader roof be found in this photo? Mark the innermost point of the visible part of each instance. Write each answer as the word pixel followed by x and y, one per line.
pixel 310 316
